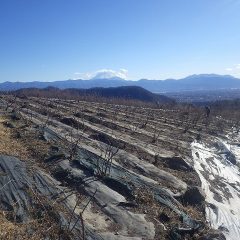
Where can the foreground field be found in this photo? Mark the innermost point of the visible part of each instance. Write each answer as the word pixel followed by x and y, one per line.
pixel 88 170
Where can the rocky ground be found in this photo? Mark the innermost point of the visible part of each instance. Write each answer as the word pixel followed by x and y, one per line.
pixel 86 170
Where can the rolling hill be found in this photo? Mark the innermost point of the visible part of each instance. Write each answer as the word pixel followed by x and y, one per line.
pixel 125 92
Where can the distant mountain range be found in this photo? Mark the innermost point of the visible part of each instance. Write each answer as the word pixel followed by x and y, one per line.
pixel 125 92
pixel 191 83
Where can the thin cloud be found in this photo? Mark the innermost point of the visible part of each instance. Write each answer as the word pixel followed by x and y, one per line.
pixel 234 70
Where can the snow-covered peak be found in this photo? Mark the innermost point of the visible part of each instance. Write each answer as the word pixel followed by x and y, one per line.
pixel 120 74
pixel 110 74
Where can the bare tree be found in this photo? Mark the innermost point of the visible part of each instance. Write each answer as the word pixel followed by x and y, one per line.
pixel 10 100
pixel 156 133
pixel 107 153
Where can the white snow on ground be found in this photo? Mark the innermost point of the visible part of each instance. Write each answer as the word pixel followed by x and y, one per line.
pixel 221 184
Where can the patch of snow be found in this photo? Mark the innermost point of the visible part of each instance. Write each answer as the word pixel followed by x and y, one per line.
pixel 221 184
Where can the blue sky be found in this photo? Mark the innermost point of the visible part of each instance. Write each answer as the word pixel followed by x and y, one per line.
pixel 51 40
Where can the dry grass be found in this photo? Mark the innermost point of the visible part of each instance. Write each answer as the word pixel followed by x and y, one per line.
pixel 9 230
pixel 35 228
pixel 9 145
pixel 22 141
